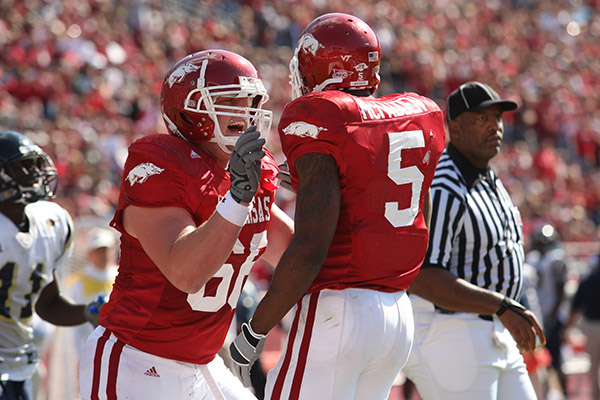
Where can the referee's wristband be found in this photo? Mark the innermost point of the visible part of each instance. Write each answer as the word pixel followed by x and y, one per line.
pixel 504 306
pixel 233 211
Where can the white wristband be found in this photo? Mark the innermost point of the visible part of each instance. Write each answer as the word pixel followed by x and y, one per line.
pixel 233 211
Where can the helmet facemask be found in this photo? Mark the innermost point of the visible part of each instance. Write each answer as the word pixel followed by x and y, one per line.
pixel 295 78
pixel 28 179
pixel 253 114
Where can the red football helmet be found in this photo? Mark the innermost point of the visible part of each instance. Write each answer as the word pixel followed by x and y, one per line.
pixel 193 84
pixel 335 51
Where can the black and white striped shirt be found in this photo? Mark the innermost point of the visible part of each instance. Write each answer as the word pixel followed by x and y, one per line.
pixel 476 231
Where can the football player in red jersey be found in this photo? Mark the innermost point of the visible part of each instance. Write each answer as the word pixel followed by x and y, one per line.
pixel 195 212
pixel 362 167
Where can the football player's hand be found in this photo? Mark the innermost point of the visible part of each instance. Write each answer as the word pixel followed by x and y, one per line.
pixel 244 165
pixel 285 180
pixel 92 311
pixel 522 325
pixel 245 350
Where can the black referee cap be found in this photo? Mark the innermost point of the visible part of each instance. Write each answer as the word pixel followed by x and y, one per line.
pixel 475 96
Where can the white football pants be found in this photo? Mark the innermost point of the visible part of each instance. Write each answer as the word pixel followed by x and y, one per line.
pixel 344 344
pixel 463 357
pixel 110 369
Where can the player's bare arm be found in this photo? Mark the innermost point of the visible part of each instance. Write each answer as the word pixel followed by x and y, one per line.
pixel 427 208
pixel 187 255
pixel 450 292
pixel 279 235
pixel 317 210
pixel 57 310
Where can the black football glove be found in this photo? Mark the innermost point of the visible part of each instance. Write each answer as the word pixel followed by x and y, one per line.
pixel 244 165
pixel 245 350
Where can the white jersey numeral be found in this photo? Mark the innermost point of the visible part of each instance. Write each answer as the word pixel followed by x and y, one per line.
pixel 412 175
pixel 8 282
pixel 200 302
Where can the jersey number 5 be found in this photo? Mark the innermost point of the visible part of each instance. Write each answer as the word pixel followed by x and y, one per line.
pixel 408 175
pixel 200 302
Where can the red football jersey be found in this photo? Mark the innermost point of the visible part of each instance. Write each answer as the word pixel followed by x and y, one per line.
pixel 145 310
pixel 386 150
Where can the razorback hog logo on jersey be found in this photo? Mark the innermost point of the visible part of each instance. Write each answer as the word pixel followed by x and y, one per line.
pixel 309 44
pixel 303 129
pixel 141 172
pixel 177 75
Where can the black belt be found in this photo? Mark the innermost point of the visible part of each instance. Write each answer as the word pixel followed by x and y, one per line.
pixel 485 317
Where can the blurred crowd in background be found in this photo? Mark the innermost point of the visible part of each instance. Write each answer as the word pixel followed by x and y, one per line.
pixel 82 79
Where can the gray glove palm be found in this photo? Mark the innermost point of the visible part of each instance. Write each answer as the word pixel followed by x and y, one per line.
pixel 285 180
pixel 244 165
pixel 245 350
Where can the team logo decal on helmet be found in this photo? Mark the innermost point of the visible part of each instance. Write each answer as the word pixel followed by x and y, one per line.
pixel 341 73
pixel 180 73
pixel 361 67
pixel 309 44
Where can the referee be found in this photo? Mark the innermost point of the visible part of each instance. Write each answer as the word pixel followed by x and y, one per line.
pixel 469 329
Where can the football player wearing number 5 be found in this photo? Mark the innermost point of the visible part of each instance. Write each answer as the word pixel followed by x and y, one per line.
pixel 195 212
pixel 361 167
pixel 35 242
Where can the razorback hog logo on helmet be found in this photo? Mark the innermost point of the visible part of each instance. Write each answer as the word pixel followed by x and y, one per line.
pixel 140 173
pixel 303 129
pixel 309 44
pixel 181 71
pixel 361 67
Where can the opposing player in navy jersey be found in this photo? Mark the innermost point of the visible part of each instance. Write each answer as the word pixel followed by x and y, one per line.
pixel 362 167
pixel 35 243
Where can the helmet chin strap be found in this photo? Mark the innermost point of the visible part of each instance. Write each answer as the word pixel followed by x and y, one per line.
pixel 218 135
pixel 224 148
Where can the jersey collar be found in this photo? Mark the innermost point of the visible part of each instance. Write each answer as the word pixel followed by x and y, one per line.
pixel 471 174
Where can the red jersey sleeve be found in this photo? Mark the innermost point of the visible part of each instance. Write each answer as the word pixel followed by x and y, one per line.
pixel 160 171
pixel 308 126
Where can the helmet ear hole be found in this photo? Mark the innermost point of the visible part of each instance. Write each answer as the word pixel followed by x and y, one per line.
pixel 185 118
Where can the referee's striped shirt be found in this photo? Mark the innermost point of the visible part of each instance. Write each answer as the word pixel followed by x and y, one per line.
pixel 476 231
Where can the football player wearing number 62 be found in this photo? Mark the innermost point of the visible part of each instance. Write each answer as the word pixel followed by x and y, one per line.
pixel 35 243
pixel 361 167
pixel 195 212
